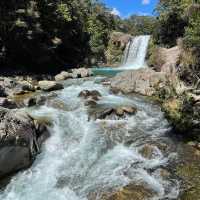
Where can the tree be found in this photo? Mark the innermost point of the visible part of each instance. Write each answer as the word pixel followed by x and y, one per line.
pixel 171 22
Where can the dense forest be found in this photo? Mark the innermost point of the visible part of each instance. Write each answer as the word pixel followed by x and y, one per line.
pixel 178 23
pixel 48 35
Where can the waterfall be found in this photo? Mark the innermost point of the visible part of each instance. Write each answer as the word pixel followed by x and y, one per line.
pixel 135 52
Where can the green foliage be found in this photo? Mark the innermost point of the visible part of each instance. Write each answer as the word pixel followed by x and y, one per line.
pixel 137 25
pixel 63 10
pixel 100 24
pixel 45 35
pixel 171 22
pixel 192 32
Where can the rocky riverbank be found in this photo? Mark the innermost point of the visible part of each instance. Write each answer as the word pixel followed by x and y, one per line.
pixel 180 105
pixel 22 135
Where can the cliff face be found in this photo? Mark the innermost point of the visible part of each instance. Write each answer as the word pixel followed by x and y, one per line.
pixel 116 47
pixel 164 59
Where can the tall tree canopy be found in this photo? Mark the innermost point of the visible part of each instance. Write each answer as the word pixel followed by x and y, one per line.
pixel 52 33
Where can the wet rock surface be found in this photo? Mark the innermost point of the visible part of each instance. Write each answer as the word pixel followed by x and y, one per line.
pixel 20 140
pixel 114 113
pixel 130 192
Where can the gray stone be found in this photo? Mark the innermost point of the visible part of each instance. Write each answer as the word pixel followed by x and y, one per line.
pixel 19 140
pixel 50 85
pixel 63 76
pixel 142 81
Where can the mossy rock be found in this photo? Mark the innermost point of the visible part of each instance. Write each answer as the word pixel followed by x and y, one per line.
pixel 131 192
pixel 189 172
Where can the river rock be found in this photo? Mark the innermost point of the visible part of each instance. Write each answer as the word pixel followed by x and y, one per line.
pixel 129 109
pixel 81 73
pixel 2 92
pixel 94 94
pixel 112 113
pixel 130 192
pixel 50 85
pixel 7 103
pixel 121 111
pixel 18 141
pixel 90 102
pixel 23 87
pixel 147 151
pixel 63 76
pixel 31 101
pixel 142 81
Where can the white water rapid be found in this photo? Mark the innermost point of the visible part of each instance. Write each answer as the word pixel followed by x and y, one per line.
pixel 135 52
pixel 86 157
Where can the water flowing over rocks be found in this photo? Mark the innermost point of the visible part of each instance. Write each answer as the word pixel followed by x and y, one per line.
pixel 107 113
pixel 21 138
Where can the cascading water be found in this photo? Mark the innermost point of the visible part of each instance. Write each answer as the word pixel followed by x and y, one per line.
pixel 134 57
pixel 86 157
pixel 135 52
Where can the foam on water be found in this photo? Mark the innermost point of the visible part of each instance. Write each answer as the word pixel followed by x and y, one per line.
pixel 135 52
pixel 83 157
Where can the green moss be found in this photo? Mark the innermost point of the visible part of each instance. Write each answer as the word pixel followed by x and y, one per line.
pixel 189 172
pixel 114 54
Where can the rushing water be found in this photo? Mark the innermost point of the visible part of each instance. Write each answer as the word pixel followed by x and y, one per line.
pixel 135 52
pixel 83 157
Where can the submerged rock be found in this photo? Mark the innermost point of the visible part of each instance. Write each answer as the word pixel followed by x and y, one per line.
pixel 112 113
pixel 91 97
pixel 50 85
pixel 90 94
pixel 20 140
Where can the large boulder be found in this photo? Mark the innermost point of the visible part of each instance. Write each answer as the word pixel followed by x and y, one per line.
pixel 7 103
pixel 20 140
pixel 63 76
pixel 49 85
pixel 81 73
pixel 11 87
pixel 142 81
pixel 164 59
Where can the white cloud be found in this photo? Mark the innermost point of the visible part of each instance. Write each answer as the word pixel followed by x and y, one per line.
pixel 115 12
pixel 146 2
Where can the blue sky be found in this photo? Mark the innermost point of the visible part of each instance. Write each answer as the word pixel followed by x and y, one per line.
pixel 125 8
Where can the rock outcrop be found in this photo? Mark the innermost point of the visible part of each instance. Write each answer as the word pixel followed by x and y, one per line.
pixel 142 81
pixel 20 140
pixel 116 46
pixel 164 59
